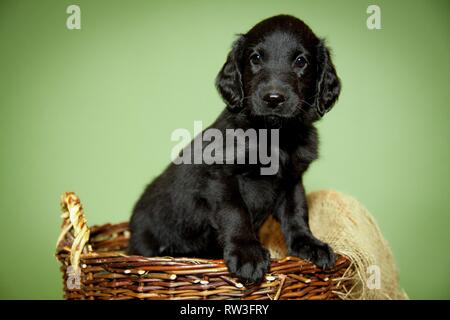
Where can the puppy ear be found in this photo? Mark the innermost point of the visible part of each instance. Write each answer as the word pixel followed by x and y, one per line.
pixel 229 79
pixel 328 84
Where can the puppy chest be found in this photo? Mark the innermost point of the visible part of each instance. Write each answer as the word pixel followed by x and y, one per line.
pixel 259 195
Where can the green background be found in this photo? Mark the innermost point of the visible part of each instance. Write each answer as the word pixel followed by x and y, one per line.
pixel 92 111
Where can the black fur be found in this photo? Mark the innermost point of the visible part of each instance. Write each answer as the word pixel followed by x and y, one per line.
pixel 216 210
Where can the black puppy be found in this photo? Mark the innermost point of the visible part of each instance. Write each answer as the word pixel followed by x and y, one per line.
pixel 280 76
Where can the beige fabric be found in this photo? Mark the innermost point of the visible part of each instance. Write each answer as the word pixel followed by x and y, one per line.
pixel 350 230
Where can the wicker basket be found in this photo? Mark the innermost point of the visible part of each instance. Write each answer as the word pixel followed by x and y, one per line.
pixel 95 266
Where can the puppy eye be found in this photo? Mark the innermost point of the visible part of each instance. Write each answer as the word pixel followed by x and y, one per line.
pixel 255 58
pixel 300 62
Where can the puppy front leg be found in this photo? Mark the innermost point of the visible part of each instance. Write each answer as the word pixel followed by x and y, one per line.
pixel 293 217
pixel 244 255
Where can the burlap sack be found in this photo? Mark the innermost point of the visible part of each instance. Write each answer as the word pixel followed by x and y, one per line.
pixel 349 228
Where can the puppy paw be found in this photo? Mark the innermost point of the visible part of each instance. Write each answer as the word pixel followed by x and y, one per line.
pixel 315 251
pixel 249 261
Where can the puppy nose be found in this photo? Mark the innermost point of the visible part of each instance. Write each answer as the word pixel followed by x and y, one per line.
pixel 274 99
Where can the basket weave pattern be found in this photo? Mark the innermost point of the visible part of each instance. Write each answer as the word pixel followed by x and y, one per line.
pixel 95 266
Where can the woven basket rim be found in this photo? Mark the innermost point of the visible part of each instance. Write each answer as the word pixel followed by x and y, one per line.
pixel 80 248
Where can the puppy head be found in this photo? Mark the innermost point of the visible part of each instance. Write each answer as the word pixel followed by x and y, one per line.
pixel 279 69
